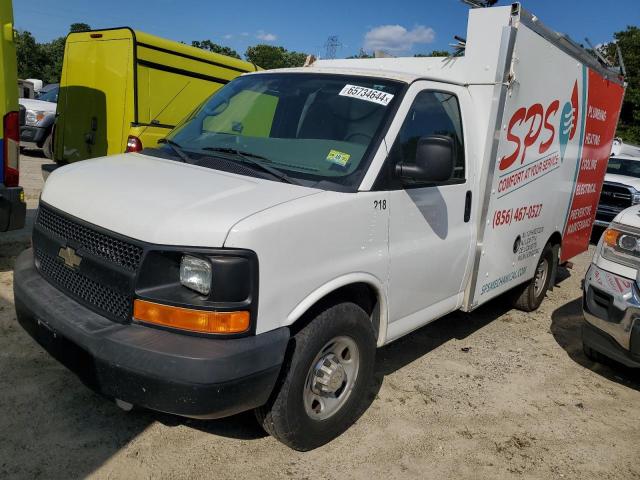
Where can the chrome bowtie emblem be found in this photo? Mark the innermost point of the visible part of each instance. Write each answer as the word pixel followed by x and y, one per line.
pixel 70 258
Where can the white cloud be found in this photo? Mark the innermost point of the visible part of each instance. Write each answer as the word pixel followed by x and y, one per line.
pixel 228 36
pixel 266 37
pixel 396 38
pixel 245 34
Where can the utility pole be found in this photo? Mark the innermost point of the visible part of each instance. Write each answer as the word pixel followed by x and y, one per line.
pixel 331 47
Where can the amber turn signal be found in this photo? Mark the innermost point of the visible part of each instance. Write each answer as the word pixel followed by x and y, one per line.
pixel 203 321
pixel 611 237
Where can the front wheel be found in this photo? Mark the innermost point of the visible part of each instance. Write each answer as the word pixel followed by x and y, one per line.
pixel 325 387
pixel 529 296
pixel 47 147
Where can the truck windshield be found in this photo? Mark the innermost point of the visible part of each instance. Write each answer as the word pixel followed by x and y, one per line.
pixel 312 127
pixel 622 166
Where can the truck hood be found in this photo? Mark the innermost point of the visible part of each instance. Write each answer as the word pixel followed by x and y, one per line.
pixel 629 216
pixel 623 179
pixel 33 104
pixel 162 201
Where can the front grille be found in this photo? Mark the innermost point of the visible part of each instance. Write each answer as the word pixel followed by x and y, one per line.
pixel 615 196
pixel 109 301
pixel 112 249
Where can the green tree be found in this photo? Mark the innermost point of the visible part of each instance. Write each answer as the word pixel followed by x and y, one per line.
pixel 29 55
pixel 215 48
pixel 54 53
pixel 629 42
pixel 79 27
pixel 434 53
pixel 269 56
pixel 361 54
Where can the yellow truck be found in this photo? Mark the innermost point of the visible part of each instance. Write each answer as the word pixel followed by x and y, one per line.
pixel 12 206
pixel 123 90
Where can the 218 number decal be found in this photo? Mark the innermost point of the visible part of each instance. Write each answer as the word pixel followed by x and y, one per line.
pixel 380 204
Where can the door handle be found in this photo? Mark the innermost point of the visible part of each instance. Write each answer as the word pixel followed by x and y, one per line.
pixel 467 206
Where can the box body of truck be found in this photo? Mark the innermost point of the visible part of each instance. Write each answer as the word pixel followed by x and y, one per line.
pixel 546 169
pixel 543 121
pixel 303 217
pixel 12 206
pixel 120 83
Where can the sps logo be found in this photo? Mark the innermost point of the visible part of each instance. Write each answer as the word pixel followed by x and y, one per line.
pixel 538 118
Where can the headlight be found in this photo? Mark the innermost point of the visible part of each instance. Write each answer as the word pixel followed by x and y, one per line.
pixel 195 273
pixel 174 288
pixel 34 116
pixel 635 198
pixel 621 244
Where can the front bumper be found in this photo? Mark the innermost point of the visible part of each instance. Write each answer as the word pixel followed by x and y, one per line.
pixel 611 306
pixel 170 372
pixel 33 135
pixel 13 209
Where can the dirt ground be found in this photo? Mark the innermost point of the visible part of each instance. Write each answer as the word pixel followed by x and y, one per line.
pixel 492 394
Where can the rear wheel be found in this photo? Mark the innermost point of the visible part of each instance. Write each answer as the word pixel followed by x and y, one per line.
pixel 529 296
pixel 326 385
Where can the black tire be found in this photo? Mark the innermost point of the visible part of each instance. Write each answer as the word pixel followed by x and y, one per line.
pixel 285 416
pixel 47 146
pixel 525 297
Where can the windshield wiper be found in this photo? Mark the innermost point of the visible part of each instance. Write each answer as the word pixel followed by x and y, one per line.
pixel 177 148
pixel 254 160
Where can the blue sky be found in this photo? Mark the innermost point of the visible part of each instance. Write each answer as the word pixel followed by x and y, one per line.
pixel 401 26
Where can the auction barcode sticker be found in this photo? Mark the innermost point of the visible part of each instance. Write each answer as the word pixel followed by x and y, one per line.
pixel 368 94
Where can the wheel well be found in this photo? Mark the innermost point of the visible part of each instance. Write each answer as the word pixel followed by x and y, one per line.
pixel 556 242
pixel 555 239
pixel 362 294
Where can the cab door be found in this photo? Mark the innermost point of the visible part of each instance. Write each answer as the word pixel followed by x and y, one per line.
pixel 431 233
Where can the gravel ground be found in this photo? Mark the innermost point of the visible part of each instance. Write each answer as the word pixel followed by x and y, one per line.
pixel 492 394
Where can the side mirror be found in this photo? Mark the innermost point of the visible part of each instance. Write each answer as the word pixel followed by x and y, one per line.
pixel 434 160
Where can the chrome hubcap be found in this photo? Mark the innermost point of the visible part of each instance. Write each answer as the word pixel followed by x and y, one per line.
pixel 541 277
pixel 331 378
pixel 328 376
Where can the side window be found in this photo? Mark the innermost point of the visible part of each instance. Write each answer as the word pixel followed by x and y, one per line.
pixel 432 113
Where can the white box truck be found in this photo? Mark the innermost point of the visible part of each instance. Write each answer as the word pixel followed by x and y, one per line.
pixel 300 218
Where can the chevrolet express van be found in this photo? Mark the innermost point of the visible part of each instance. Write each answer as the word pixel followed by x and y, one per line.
pixel 12 206
pixel 122 90
pixel 302 217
